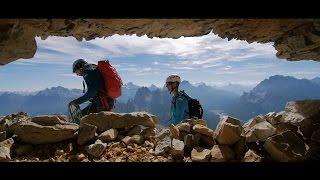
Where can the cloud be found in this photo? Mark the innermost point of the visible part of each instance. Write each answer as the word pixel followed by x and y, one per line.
pixel 193 51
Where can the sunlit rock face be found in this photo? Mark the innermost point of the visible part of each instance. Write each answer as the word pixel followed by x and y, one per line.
pixel 294 39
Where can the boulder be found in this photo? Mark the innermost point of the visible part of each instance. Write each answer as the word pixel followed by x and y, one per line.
pixel 240 147
pixel 221 153
pixel 33 133
pixel 193 122
pixel 251 156
pixel 77 157
pixel 86 133
pixel 162 134
pixel 48 120
pixel 260 132
pixel 135 130
pixel 316 136
pixel 96 149
pixel 106 120
pixel 3 136
pixel 108 135
pixel 199 154
pixel 177 149
pixel 282 127
pixel 304 114
pixel 189 143
pixel 138 139
pixel 285 147
pixel 126 140
pixel 228 131
pixel 314 150
pixel 22 149
pixel 186 127
pixel 163 145
pixel 148 132
pixel 258 119
pixel 174 131
pixel 203 141
pixel 5 149
pixel 201 129
pixel 274 118
pixel 12 118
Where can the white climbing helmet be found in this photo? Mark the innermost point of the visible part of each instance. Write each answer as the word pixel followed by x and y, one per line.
pixel 173 78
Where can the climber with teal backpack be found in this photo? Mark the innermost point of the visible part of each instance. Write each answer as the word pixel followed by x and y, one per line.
pixel 103 87
pixel 182 106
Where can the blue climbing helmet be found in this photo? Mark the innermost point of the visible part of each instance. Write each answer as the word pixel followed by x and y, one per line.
pixel 77 64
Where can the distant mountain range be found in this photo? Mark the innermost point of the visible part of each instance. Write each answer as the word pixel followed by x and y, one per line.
pixel 48 101
pixel 269 95
pixel 272 94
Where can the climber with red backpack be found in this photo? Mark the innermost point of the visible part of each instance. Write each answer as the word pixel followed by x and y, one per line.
pixel 103 86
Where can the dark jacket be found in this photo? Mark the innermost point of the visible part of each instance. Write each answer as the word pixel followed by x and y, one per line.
pixel 94 82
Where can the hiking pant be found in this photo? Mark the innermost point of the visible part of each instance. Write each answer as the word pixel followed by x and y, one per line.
pixel 91 108
pixel 94 108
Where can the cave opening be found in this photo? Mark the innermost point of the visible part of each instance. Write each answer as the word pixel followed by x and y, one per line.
pixel 223 74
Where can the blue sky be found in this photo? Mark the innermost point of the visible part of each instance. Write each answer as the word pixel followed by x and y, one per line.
pixel 146 61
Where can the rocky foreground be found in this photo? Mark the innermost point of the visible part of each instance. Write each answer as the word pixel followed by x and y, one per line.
pixel 288 136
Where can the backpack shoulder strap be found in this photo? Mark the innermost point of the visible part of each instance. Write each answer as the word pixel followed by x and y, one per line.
pixel 185 95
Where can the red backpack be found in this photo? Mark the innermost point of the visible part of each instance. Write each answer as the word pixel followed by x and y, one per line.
pixel 112 82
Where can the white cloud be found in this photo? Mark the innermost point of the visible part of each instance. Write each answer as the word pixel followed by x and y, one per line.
pixel 193 51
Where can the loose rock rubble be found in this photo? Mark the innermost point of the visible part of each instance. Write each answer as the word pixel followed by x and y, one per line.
pixel 288 136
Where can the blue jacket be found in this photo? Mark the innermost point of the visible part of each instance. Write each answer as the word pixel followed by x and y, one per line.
pixel 179 108
pixel 94 82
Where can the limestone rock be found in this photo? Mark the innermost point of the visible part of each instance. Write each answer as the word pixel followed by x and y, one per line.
pixel 22 149
pixel 253 121
pixel 203 141
pixel 106 120
pixel 228 131
pixel 193 122
pixel 202 130
pixel 30 132
pixel 186 127
pixel 316 136
pixel 221 153
pixel 5 149
pixel 189 143
pixel 304 114
pixel 86 133
pixel 96 149
pixel 48 120
pixel 77 157
pixel 274 118
pixel 3 136
pixel 108 135
pixel 138 139
pixel 199 154
pixel 135 130
pixel 8 120
pixel 126 140
pixel 148 132
pixel 163 145
pixel 285 147
pixel 174 131
pixel 177 148
pixel 251 156
pixel 260 132
pixel 282 127
pixel 162 134
pixel 240 148
pixel 294 39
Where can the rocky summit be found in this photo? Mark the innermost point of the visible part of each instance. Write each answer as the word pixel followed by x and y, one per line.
pixel 291 135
